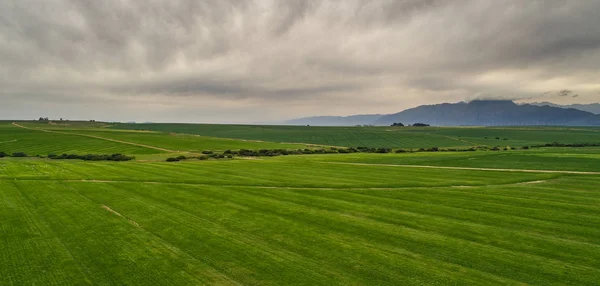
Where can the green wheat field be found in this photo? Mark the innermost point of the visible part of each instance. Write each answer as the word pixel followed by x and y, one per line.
pixel 516 216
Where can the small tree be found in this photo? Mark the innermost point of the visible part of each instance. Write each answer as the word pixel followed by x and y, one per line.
pixel 19 154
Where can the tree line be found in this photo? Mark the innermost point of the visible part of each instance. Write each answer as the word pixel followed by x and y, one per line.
pixel 418 124
pixel 87 157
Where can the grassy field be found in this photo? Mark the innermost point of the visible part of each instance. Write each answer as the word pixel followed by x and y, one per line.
pixel 33 142
pixel 392 137
pixel 42 139
pixel 573 159
pixel 374 137
pixel 451 218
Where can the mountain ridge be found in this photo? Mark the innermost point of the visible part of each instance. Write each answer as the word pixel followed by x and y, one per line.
pixel 359 119
pixel 473 113
pixel 591 107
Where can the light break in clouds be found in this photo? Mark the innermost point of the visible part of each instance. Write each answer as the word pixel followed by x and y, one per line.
pixel 257 61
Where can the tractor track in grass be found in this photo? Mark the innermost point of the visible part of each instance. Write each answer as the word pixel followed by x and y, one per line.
pixel 470 168
pixel 96 137
pixel 120 215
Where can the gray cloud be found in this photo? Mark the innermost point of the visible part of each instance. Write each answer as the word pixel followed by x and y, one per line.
pixel 158 60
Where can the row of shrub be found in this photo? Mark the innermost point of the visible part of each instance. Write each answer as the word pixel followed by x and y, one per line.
pixel 333 150
pixel 206 156
pixel 88 157
pixel 16 154
pixel 278 152
pixel 556 144
pixel 92 157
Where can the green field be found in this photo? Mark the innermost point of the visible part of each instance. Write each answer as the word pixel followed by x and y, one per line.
pixel 333 136
pixel 15 139
pixel 449 218
pixel 392 137
pixel 42 139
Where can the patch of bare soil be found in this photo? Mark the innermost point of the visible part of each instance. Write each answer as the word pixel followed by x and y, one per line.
pixel 60 124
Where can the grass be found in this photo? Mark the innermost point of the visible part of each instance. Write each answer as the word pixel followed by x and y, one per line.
pixel 343 219
pixel 293 220
pixel 391 137
pixel 42 139
pixel 374 137
pixel 186 143
pixel 566 159
pixel 33 142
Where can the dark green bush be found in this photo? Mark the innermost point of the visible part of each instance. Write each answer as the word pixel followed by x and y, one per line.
pixel 92 157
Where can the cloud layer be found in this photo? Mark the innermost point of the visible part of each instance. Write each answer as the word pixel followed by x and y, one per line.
pixel 252 61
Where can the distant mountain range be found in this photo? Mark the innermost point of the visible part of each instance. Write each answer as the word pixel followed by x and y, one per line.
pixel 474 113
pixel 336 120
pixel 593 107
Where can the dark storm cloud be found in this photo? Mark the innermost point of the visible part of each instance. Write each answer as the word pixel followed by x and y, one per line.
pixel 294 58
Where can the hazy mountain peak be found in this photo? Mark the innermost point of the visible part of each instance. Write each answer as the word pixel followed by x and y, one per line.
pixel 592 107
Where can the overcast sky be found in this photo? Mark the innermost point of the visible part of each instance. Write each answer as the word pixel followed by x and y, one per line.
pixel 264 61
